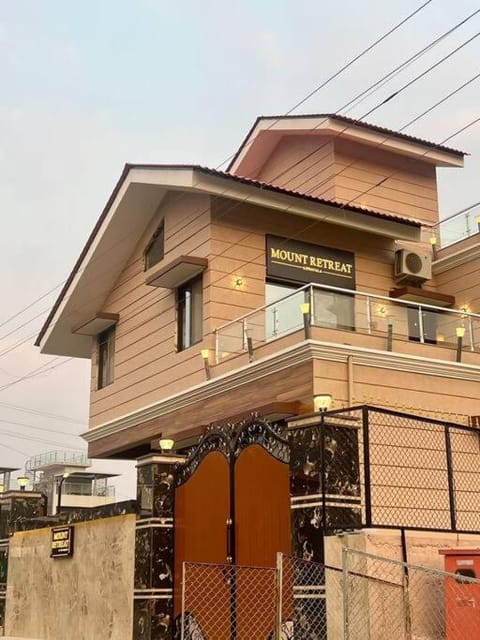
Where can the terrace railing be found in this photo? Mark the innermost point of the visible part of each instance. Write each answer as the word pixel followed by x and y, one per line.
pixel 352 311
pixel 461 225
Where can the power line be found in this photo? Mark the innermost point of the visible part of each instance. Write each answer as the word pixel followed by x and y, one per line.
pixel 39 428
pixel 298 104
pixel 39 412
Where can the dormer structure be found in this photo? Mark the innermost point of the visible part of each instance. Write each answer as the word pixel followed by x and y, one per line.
pixel 352 162
pixel 188 295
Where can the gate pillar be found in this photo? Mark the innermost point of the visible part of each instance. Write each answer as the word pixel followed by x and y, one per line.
pixel 153 582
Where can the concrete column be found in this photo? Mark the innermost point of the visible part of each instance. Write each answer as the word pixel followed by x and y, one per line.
pixel 153 595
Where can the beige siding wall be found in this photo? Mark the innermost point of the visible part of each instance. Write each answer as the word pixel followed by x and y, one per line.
pixel 409 187
pixel 147 365
pixel 302 163
pixel 462 281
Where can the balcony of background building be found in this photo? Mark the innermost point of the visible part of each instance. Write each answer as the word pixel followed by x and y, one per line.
pixel 458 227
pixel 355 318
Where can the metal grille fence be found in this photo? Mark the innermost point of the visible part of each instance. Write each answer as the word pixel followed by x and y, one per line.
pixel 414 472
pixel 367 597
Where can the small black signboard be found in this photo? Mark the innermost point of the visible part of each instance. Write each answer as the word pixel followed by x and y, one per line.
pixel 62 542
pixel 295 261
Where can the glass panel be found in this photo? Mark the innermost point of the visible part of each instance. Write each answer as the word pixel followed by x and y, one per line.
pixel 283 316
pixel 331 309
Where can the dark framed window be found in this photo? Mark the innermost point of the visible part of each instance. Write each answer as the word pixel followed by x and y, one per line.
pixel 189 313
pixel 155 249
pixel 106 351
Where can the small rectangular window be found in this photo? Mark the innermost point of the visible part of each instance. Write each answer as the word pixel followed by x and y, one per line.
pixel 155 249
pixel 106 350
pixel 190 313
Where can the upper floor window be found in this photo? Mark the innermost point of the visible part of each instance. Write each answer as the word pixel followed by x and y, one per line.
pixel 155 249
pixel 106 350
pixel 190 313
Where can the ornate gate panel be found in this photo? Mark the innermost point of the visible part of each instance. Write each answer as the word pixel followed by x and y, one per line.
pixel 232 505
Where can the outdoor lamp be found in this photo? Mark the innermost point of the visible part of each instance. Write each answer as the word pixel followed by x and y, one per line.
pixel 322 402
pixel 60 484
pixel 205 353
pixel 305 309
pixel 22 482
pixel 477 220
pixel 460 331
pixel 2 487
pixel 166 444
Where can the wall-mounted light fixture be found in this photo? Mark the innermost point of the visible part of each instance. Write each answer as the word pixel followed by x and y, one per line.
pixel 477 220
pixel 322 402
pixel 22 482
pixel 433 242
pixel 2 487
pixel 166 444
pixel 305 309
pixel 205 355
pixel 460 331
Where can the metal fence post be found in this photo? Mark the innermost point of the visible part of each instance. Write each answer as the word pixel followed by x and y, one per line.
pixel 182 612
pixel 345 592
pixel 366 466
pixel 279 596
pixel 451 481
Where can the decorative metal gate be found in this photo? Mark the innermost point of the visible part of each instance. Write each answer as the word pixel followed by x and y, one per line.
pixel 232 505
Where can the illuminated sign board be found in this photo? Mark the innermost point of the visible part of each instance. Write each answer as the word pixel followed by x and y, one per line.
pixel 304 262
pixel 62 542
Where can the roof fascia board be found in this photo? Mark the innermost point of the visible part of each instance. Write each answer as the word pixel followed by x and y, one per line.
pixel 180 177
pixel 295 205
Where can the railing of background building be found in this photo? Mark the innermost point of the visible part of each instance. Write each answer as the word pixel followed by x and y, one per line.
pixel 409 472
pixel 57 457
pixel 458 227
pixel 352 311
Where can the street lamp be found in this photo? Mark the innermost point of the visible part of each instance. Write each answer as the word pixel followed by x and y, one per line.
pixel 59 497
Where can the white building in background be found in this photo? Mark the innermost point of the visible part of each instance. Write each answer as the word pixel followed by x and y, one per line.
pixel 67 473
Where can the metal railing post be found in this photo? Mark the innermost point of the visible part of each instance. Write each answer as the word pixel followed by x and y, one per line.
pixel 420 324
pixel 279 596
pixel 346 633
pixel 450 479
pixel 369 315
pixel 182 612
pixel 245 334
pixel 470 334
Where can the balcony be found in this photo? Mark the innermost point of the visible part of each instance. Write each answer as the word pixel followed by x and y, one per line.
pixel 365 320
pixel 458 227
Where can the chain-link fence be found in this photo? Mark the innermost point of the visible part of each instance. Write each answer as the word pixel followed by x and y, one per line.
pixel 385 599
pixel 368 597
pixel 222 602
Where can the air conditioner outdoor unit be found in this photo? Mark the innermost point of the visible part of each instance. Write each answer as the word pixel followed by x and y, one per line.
pixel 411 266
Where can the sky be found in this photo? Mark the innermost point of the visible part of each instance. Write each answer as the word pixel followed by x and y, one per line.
pixel 88 86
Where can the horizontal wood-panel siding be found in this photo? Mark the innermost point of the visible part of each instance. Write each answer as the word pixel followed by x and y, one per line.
pixel 299 163
pixel 147 366
pixel 408 186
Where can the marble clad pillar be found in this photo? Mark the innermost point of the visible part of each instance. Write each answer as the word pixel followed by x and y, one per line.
pixel 153 595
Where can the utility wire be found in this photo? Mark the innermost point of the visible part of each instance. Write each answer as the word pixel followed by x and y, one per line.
pixel 39 412
pixel 298 104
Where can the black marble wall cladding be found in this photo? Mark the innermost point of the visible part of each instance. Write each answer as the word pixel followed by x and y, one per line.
pixel 17 510
pixel 4 520
pixel 2 612
pixel 153 558
pixel 308 534
pixel 71 516
pixel 3 566
pixel 341 461
pixel 152 619
pixel 155 490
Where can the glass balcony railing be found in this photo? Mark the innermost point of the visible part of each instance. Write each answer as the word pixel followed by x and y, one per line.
pixel 353 311
pixel 463 224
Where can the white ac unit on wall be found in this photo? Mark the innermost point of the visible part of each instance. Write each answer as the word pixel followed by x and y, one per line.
pixel 412 266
